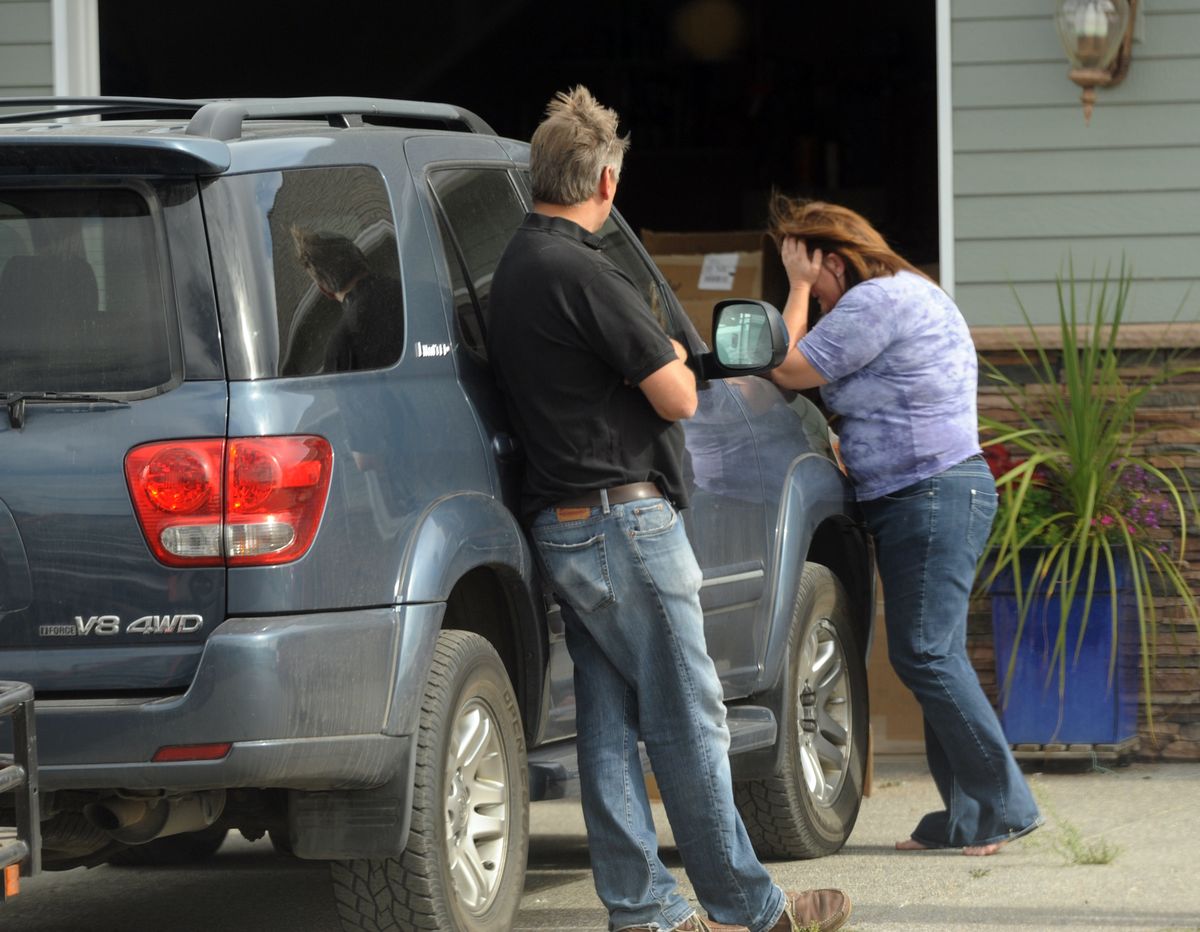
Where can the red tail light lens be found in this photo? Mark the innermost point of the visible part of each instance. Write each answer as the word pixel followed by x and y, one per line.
pixel 179 480
pixel 176 491
pixel 276 489
pixel 267 511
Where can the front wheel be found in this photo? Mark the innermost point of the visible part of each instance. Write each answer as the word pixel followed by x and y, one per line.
pixel 464 868
pixel 808 807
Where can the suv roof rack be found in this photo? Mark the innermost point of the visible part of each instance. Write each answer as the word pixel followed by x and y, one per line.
pixel 222 119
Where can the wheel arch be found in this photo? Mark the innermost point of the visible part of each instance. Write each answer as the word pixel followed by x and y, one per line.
pixel 470 554
pixel 495 604
pixel 816 524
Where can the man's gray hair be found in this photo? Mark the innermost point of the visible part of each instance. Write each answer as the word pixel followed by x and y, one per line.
pixel 571 147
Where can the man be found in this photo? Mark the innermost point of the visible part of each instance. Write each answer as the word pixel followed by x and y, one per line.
pixel 370 332
pixel 595 390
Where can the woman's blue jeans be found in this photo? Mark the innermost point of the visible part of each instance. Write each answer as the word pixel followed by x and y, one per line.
pixel 928 538
pixel 629 586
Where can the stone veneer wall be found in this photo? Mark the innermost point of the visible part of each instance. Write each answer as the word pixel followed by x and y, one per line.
pixel 1171 413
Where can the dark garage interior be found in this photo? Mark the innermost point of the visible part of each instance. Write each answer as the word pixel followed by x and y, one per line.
pixel 725 100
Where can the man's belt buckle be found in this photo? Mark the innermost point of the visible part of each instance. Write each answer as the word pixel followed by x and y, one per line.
pixel 572 514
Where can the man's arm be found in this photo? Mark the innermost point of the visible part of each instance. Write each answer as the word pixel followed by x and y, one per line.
pixel 671 389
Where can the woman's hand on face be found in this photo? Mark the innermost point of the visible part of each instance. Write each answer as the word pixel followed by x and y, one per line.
pixel 802 267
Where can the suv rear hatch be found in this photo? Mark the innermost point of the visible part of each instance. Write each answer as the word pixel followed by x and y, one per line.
pixel 108 340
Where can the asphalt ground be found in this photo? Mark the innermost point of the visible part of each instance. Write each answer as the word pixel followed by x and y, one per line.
pixel 1142 821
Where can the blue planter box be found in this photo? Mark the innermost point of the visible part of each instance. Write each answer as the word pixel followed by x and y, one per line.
pixel 1093 710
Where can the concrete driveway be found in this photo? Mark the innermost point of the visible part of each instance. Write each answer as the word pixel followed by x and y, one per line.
pixel 1146 817
pixel 1144 820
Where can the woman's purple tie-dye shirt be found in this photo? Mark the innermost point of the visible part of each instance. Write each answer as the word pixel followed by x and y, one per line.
pixel 902 373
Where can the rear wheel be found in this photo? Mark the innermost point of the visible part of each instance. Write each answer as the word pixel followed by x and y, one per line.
pixel 464 868
pixel 808 808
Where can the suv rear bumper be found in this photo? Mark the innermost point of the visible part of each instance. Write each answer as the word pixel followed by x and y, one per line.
pixel 308 702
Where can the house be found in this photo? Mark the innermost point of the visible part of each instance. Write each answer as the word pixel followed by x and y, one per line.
pixel 952 124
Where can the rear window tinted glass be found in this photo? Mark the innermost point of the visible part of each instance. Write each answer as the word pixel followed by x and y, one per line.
pixel 83 307
pixel 307 270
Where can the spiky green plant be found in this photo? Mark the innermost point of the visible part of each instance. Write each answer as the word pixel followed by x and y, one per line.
pixel 1065 504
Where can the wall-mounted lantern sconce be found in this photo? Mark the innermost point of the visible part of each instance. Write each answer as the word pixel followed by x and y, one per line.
pixel 1098 36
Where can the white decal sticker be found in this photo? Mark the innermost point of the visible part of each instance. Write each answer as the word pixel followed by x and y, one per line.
pixel 432 349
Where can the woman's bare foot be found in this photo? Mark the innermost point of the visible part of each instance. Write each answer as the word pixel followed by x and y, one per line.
pixel 911 844
pixel 982 851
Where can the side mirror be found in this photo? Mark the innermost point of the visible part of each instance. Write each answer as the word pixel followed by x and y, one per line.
pixel 749 338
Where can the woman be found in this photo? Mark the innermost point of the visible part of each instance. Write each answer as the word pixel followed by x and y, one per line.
pixel 894 359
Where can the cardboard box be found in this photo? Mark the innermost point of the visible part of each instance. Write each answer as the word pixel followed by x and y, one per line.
pixel 704 268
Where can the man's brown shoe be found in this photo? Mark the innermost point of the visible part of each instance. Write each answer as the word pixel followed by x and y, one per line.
pixel 823 910
pixel 696 924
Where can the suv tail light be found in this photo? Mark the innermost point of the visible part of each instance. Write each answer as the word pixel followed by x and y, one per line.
pixel 248 501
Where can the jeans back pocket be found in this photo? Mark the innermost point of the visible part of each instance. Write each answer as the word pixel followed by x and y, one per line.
pixel 979 523
pixel 578 572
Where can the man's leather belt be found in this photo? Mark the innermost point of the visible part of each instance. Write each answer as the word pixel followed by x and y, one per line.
pixel 617 495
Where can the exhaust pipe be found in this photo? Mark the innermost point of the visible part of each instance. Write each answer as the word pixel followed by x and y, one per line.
pixel 137 820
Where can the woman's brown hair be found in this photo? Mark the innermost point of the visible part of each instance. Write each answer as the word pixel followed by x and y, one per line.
pixel 832 228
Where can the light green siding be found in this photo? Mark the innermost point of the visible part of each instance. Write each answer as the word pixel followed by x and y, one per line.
pixel 1035 187
pixel 26 54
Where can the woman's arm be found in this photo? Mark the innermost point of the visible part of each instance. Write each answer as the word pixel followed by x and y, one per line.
pixel 802 269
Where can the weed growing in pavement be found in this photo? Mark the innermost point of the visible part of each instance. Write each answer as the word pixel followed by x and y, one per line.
pixel 978 872
pixel 1069 843
pixel 1077 850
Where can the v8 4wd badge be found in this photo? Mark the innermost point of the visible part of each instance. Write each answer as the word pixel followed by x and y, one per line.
pixel 108 625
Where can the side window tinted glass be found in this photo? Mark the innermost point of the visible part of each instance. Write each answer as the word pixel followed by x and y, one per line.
pixel 85 303
pixel 480 210
pixel 621 250
pixel 308 271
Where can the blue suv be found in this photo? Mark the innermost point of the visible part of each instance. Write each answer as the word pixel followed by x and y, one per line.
pixel 258 552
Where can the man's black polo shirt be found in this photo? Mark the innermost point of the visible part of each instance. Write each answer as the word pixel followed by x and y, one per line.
pixel 569 339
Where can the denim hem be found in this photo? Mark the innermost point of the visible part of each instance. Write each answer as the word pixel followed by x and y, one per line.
pixel 771 925
pixel 653 925
pixel 930 843
pixel 778 913
pixel 1006 837
pixel 1009 836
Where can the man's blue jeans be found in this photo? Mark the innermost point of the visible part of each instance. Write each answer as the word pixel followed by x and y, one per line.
pixel 630 588
pixel 928 538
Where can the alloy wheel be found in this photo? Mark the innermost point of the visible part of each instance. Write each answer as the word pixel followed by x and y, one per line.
pixel 477 817
pixel 825 719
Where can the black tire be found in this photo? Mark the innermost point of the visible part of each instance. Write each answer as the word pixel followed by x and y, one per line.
pixel 453 877
pixel 808 808
pixel 173 850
